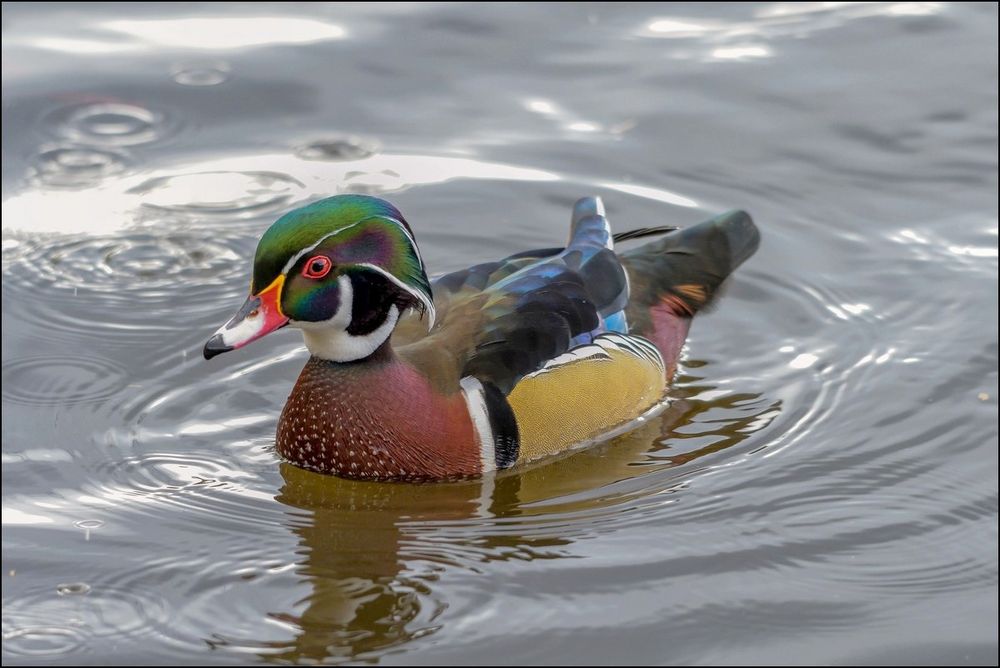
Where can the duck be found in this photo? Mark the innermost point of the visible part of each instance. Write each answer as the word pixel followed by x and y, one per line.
pixel 478 370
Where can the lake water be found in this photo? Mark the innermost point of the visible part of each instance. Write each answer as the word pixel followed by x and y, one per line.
pixel 822 488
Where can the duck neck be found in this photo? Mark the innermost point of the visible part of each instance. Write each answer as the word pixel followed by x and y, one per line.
pixel 377 418
pixel 337 344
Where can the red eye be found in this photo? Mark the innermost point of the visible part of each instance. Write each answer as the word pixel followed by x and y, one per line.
pixel 317 267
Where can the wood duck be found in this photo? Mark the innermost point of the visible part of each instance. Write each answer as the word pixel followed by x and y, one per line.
pixel 481 369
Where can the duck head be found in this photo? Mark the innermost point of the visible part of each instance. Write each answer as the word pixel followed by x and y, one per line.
pixel 342 270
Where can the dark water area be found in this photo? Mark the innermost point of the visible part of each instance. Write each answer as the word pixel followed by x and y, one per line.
pixel 821 489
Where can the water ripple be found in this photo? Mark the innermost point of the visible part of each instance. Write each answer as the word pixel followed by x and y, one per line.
pixel 76 166
pixel 50 623
pixel 104 285
pixel 110 123
pixel 55 381
pixel 42 640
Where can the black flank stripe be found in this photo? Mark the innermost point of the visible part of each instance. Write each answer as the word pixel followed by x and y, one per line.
pixel 506 439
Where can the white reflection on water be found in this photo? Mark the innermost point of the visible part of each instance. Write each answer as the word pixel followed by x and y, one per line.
pixel 544 107
pixel 853 9
pixel 657 194
pixel 569 121
pixel 227 32
pixel 113 204
pixel 214 185
pixel 973 251
pixel 743 52
pixel 803 361
pixel 15 516
pixel 727 40
pixel 683 28
pixel 203 33
pixel 83 46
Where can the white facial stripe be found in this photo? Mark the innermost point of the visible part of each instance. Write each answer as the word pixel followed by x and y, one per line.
pixel 472 390
pixel 345 310
pixel 428 304
pixel 295 258
pixel 242 332
pixel 413 242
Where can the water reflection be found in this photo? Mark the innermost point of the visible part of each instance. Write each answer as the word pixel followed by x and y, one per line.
pixel 226 32
pixel 373 553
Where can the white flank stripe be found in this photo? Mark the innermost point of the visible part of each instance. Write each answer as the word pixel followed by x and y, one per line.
pixel 472 390
pixel 581 352
pixel 633 345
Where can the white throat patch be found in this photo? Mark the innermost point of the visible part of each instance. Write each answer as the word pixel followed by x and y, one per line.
pixel 330 340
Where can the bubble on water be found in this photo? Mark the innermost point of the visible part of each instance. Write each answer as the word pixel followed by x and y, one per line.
pixel 88 526
pixel 345 148
pixel 73 589
pixel 209 73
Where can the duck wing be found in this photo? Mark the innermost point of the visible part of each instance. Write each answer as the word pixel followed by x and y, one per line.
pixel 501 321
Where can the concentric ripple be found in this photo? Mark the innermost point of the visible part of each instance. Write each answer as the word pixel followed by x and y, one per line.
pixel 54 381
pixel 42 640
pixel 51 623
pixel 102 285
pixel 140 261
pixel 76 166
pixel 190 484
pixel 111 123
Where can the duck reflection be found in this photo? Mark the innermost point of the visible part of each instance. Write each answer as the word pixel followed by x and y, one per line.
pixel 372 551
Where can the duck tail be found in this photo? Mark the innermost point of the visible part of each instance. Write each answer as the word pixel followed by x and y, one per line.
pixel 679 275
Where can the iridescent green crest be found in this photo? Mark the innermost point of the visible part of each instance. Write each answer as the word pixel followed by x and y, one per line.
pixel 356 232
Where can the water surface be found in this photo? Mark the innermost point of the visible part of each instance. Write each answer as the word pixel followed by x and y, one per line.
pixel 822 488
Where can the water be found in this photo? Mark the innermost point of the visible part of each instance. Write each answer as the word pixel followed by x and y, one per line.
pixel 823 488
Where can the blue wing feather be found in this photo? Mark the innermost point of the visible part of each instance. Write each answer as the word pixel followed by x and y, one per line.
pixel 541 306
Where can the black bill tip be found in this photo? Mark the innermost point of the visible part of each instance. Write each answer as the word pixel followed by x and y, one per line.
pixel 215 346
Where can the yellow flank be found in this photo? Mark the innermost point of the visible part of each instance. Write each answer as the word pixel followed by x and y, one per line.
pixel 565 404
